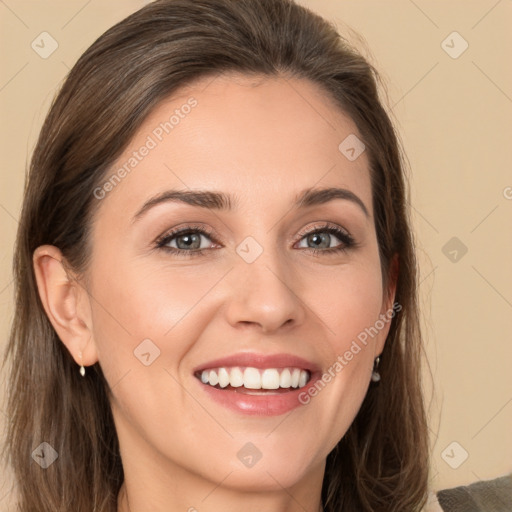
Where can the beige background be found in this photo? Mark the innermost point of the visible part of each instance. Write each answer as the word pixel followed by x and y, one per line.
pixel 454 118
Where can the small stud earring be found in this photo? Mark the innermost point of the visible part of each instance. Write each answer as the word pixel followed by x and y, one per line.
pixel 375 373
pixel 82 369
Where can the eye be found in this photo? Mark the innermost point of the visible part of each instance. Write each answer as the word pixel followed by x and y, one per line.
pixel 186 241
pixel 323 236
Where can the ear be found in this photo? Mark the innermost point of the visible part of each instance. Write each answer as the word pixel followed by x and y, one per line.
pixel 66 303
pixel 388 300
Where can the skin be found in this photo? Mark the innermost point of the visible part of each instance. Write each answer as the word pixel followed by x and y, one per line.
pixel 263 141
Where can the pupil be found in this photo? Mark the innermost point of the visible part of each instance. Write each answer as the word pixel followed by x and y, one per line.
pixel 187 244
pixel 318 236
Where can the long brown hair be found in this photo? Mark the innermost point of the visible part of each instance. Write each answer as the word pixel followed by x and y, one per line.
pixel 381 464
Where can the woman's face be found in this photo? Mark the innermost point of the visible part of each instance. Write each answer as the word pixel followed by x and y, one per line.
pixel 256 294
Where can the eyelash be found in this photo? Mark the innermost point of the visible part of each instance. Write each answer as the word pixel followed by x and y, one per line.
pixel 347 240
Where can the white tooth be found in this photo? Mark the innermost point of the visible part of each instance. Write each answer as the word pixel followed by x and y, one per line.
pixel 236 378
pixel 270 379
pixel 295 378
pixel 303 378
pixel 213 378
pixel 252 378
pixel 223 377
pixel 285 378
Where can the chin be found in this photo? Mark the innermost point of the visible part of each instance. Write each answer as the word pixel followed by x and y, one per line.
pixel 262 480
pixel 270 473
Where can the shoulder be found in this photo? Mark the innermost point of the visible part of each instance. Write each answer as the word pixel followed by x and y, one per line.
pixel 432 504
pixel 478 497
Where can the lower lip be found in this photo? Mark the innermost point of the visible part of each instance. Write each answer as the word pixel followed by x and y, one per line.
pixel 259 405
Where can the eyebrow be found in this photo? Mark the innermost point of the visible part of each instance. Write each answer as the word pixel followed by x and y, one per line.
pixel 223 202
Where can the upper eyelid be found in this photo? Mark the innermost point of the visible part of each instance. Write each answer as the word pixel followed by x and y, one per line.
pixel 326 226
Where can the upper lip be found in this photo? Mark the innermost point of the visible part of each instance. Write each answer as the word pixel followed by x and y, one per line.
pixel 255 360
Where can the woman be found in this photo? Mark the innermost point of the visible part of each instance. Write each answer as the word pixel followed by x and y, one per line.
pixel 215 231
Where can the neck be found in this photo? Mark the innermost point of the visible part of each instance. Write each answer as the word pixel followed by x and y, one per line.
pixel 222 499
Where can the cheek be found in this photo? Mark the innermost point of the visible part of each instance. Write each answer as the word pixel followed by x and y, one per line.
pixel 348 300
pixel 349 303
pixel 141 300
pixel 135 302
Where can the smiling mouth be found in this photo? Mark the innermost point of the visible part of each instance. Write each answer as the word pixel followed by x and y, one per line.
pixel 255 381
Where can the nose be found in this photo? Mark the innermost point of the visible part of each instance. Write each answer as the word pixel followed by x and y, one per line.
pixel 264 295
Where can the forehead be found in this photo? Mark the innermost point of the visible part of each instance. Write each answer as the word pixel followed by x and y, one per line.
pixel 257 138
